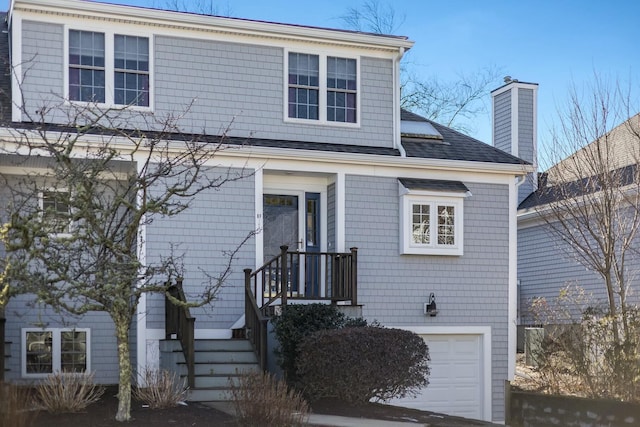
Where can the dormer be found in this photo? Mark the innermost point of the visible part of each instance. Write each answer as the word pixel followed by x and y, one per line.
pixel 267 80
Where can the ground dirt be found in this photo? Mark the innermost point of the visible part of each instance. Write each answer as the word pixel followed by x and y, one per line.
pixel 102 414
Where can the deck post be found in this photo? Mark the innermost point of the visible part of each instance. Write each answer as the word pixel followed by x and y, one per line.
pixel 354 276
pixel 284 274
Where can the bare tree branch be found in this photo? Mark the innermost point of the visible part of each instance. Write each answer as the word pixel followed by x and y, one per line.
pixel 104 179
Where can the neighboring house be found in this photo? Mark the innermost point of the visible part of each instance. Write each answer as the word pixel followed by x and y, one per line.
pixel 316 117
pixel 546 263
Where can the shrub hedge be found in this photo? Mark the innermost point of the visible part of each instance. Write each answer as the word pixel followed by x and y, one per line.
pixel 358 364
pixel 299 321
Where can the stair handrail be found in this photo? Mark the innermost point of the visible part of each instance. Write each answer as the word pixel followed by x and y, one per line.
pixel 179 321
pixel 255 322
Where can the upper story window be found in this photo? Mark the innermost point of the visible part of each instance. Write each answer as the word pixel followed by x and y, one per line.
pixel 341 90
pixel 86 66
pixel 322 88
pixel 304 86
pixel 432 216
pixel 131 63
pixel 98 61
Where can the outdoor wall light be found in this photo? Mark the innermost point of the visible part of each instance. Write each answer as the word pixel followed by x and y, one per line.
pixel 430 307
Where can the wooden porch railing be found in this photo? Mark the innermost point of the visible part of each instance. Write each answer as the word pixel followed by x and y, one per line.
pixel 331 276
pixel 180 324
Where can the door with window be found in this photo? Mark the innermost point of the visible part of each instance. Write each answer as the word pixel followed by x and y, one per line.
pixel 294 220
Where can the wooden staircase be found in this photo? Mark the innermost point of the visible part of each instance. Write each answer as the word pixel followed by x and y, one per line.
pixel 216 363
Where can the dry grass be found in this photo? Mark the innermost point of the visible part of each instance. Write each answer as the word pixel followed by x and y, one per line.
pixel 163 389
pixel 260 400
pixel 15 406
pixel 66 392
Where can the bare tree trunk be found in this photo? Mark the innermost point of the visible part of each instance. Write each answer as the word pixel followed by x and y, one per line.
pixel 124 364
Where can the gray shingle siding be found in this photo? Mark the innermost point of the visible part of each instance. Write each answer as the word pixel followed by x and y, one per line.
pixel 42 67
pixel 502 122
pixel 525 124
pixel 470 290
pixel 219 86
pixel 546 265
pixel 216 221
pixel 243 85
pixel 22 313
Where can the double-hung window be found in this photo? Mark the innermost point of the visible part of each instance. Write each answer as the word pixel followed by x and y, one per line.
pixel 322 88
pixel 56 211
pixel 86 66
pixel 106 68
pixel 432 217
pixel 341 90
pixel 131 64
pixel 304 86
pixel 46 351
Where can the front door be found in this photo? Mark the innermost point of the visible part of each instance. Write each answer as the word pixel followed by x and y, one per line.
pixel 294 220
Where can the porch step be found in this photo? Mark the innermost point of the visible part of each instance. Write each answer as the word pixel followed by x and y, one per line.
pixel 216 362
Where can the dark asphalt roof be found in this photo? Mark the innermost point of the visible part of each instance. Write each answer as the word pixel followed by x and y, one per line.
pixel 433 184
pixel 454 146
pixel 553 193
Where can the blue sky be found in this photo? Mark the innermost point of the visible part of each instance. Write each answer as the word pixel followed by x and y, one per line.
pixel 550 42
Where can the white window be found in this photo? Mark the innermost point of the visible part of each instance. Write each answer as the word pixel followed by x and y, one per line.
pixel 323 89
pixel 431 222
pixel 107 68
pixel 45 351
pixel 56 211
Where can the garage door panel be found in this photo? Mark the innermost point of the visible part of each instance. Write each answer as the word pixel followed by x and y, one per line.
pixel 455 382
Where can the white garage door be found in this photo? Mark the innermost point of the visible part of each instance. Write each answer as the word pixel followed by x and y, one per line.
pixel 455 382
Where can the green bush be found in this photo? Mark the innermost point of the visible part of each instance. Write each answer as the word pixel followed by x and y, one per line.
pixel 359 364
pixel 299 321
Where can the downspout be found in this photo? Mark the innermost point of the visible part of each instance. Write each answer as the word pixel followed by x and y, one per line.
pixel 396 101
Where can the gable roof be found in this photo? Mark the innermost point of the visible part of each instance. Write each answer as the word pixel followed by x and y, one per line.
pixel 567 178
pixel 546 194
pixel 453 146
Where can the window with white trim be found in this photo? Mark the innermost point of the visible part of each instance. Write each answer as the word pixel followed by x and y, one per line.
pixel 56 211
pixel 46 351
pixel 86 66
pixel 97 61
pixel 432 225
pixel 131 64
pixel 322 88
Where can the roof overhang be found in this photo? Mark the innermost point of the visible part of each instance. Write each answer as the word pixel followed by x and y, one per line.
pixel 191 21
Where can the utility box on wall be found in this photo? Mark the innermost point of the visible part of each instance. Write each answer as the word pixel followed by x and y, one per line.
pixel 532 345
